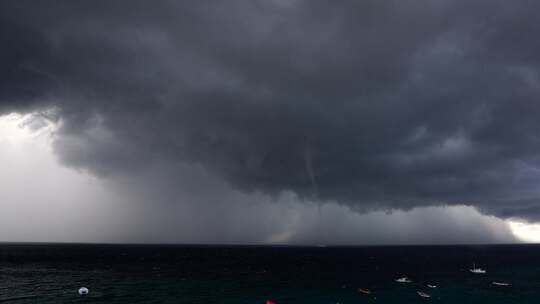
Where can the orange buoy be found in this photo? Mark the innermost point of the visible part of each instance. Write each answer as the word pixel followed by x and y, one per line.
pixel 364 291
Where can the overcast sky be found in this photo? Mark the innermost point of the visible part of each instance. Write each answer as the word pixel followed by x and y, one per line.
pixel 232 121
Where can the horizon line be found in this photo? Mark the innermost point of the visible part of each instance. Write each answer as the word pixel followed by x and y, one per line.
pixel 3 243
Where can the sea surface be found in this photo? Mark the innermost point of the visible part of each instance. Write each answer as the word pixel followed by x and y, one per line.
pixel 52 273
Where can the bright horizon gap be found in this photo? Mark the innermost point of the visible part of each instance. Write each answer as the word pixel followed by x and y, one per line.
pixel 527 232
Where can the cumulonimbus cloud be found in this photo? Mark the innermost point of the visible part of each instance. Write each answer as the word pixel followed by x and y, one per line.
pixel 401 104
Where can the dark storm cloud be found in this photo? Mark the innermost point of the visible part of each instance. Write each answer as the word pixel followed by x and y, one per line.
pixel 398 104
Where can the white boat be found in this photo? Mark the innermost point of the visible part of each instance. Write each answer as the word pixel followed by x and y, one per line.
pixel 403 280
pixel 423 294
pixel 500 283
pixel 477 270
pixel 431 286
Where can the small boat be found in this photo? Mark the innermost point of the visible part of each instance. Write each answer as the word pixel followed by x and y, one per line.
pixel 423 294
pixel 83 291
pixel 364 290
pixel 477 270
pixel 500 283
pixel 403 280
pixel 431 286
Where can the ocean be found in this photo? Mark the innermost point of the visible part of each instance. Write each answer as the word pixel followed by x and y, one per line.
pixel 52 273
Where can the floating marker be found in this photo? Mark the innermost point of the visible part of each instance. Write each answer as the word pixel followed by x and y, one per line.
pixel 83 291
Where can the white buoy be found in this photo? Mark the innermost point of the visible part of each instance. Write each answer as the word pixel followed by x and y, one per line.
pixel 83 291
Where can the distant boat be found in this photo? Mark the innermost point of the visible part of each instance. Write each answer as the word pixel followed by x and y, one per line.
pixel 500 283
pixel 364 291
pixel 477 270
pixel 403 280
pixel 431 286
pixel 423 294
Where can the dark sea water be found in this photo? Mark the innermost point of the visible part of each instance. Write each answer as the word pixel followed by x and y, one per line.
pixel 251 274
